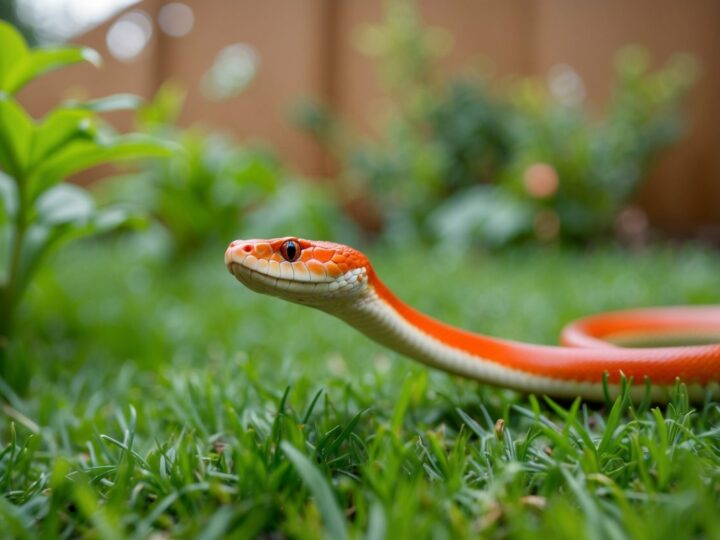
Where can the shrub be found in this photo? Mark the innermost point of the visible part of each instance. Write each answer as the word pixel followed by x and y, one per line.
pixel 216 190
pixel 39 210
pixel 527 161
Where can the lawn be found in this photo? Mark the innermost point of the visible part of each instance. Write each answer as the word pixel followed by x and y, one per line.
pixel 162 399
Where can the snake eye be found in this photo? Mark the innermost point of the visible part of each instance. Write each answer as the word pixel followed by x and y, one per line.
pixel 290 250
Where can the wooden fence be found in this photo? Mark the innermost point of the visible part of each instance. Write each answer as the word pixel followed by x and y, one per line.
pixel 307 48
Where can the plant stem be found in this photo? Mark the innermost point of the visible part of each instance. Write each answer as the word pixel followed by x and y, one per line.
pixel 5 321
pixel 9 294
pixel 18 241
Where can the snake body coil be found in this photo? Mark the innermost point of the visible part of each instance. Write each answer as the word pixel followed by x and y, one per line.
pixel 341 281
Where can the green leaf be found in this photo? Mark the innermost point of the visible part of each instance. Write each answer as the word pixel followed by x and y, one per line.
pixel 60 127
pixel 115 102
pixel 165 106
pixel 64 203
pixel 65 215
pixel 318 486
pixel 13 50
pixel 41 61
pixel 81 155
pixel 61 212
pixel 485 213
pixel 16 133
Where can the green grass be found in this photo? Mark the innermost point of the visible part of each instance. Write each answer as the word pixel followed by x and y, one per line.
pixel 160 397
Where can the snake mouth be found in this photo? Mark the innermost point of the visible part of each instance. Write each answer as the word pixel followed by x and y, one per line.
pixel 246 275
pixel 238 269
pixel 300 289
pixel 297 290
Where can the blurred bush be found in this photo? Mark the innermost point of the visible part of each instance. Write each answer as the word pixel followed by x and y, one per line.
pixel 215 190
pixel 521 160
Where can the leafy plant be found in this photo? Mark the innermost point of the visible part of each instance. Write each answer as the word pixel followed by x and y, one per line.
pixel 465 160
pixel 40 211
pixel 580 172
pixel 217 189
pixel 567 176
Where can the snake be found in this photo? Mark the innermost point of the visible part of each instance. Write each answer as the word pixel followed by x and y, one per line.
pixel 589 363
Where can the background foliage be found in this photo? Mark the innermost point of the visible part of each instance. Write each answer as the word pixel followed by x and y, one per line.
pixel 499 163
pixel 216 189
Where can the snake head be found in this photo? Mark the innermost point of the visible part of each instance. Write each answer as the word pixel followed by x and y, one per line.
pixel 307 272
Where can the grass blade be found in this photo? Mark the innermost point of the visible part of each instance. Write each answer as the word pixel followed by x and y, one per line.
pixel 318 486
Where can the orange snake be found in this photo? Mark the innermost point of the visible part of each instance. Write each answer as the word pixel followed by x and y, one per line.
pixel 341 281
